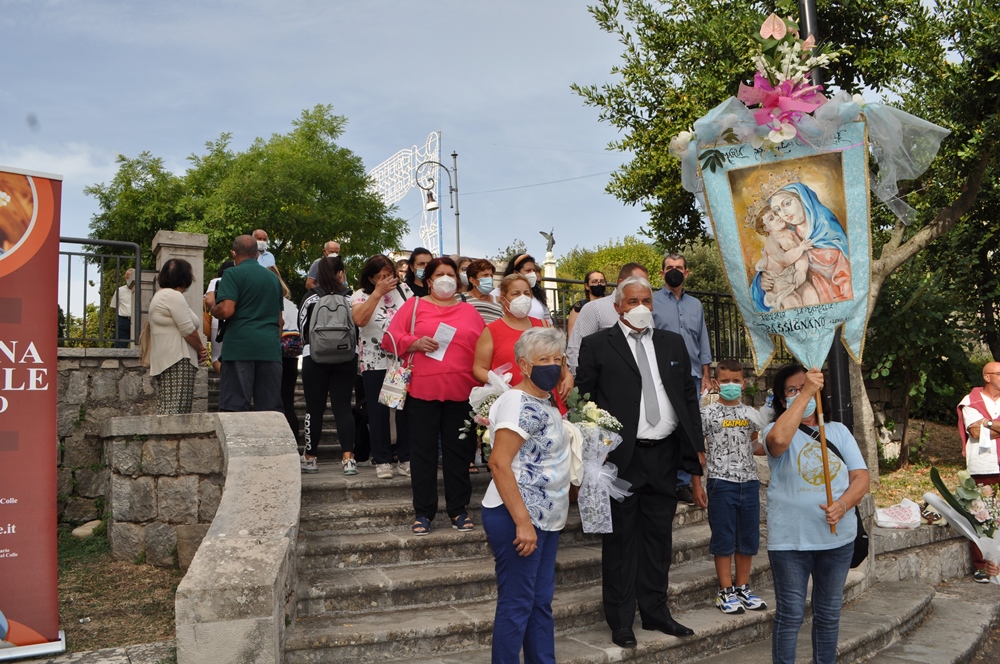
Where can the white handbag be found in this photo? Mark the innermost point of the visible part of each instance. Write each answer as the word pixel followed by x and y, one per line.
pixel 396 383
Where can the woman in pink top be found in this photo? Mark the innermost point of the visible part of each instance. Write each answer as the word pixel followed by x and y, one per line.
pixel 438 401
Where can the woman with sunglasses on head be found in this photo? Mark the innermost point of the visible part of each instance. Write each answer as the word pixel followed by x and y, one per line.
pixel 800 545
pixel 525 266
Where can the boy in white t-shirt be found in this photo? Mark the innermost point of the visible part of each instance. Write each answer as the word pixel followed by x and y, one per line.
pixel 731 429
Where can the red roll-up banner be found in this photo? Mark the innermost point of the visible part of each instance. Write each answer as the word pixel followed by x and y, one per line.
pixel 29 271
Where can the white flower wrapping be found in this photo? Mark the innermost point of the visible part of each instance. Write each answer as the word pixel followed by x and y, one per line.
pixel 990 546
pixel 598 480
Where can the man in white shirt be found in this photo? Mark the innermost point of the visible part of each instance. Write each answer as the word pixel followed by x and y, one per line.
pixel 331 248
pixel 264 257
pixel 598 315
pixel 122 302
pixel 979 431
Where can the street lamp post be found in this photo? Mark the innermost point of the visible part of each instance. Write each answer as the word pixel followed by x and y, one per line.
pixel 428 186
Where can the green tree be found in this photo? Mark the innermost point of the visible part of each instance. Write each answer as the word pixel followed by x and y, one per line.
pixel 503 256
pixel 301 187
pixel 141 199
pixel 609 258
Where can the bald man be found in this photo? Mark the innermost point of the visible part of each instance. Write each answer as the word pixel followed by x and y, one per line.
pixel 979 429
pixel 331 248
pixel 264 257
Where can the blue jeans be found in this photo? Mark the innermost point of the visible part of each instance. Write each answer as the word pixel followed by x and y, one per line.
pixel 791 571
pixel 525 585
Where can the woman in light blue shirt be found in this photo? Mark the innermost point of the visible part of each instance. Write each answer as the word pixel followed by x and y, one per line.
pixel 527 502
pixel 799 542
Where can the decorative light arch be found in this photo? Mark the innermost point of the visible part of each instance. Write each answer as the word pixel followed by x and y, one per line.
pixel 395 176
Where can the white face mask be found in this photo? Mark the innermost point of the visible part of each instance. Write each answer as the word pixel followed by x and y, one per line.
pixel 261 245
pixel 640 317
pixel 465 279
pixel 129 281
pixel 520 306
pixel 335 254
pixel 444 287
pixel 532 279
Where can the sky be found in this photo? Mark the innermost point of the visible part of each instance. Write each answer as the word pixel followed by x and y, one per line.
pixel 85 81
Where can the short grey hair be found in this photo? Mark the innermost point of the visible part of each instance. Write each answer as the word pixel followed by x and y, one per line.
pixel 631 281
pixel 674 257
pixel 539 340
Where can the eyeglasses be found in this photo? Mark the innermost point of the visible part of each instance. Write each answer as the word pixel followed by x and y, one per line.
pixel 792 391
pixel 991 373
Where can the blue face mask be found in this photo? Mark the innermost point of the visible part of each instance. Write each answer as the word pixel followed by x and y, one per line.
pixel 546 376
pixel 485 285
pixel 730 391
pixel 810 407
pixel 420 273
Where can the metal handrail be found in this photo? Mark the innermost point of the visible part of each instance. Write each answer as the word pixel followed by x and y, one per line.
pixel 88 257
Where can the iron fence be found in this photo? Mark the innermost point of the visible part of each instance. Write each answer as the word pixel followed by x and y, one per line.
pixel 726 332
pixel 89 282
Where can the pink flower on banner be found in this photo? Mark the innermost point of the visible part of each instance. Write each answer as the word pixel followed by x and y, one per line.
pixel 785 102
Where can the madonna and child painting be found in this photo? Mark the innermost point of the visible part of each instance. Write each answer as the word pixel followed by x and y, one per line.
pixel 794 244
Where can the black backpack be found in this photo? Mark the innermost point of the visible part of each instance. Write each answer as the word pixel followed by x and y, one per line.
pixel 333 336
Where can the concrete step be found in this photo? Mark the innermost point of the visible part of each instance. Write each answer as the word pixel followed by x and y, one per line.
pixel 448 580
pixel 962 614
pixel 331 487
pixel 870 623
pixel 382 549
pixel 461 632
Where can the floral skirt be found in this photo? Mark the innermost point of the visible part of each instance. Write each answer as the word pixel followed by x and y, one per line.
pixel 175 388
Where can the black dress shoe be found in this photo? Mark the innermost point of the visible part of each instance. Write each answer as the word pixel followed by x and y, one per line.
pixel 685 494
pixel 623 637
pixel 669 626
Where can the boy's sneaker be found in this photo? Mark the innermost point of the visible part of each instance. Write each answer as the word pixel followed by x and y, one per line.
pixel 308 465
pixel 748 599
pixel 404 467
pixel 383 471
pixel 350 467
pixel 727 601
pixel 980 576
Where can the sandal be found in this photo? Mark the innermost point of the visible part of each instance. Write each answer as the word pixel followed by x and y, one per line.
pixel 421 526
pixel 462 523
pixel 473 469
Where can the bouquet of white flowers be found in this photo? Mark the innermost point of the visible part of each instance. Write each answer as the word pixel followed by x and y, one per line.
pixel 972 510
pixel 481 399
pixel 594 433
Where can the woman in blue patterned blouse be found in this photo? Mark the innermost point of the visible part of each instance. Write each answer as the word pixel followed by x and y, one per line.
pixel 527 502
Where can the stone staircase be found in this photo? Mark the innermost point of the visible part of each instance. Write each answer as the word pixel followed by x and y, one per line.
pixel 370 591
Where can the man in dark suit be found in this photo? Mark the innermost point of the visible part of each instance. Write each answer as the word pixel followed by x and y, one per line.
pixel 643 377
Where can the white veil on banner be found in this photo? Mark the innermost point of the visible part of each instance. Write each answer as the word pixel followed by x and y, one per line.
pixel 792 225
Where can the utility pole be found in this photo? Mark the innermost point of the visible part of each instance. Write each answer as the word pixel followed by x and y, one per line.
pixel 841 408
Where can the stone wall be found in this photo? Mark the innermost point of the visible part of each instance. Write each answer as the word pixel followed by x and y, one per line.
pixel 95 385
pixel 166 478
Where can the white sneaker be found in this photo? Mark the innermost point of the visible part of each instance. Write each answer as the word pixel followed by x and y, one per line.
pixel 308 465
pixel 383 471
pixel 350 466
pixel 404 467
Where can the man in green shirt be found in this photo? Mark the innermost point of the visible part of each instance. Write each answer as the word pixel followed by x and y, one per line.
pixel 250 300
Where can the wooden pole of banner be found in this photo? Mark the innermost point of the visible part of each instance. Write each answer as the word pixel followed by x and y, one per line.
pixel 825 454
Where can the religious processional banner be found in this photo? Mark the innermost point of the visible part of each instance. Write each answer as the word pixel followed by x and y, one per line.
pixel 29 271
pixel 792 224
pixel 782 170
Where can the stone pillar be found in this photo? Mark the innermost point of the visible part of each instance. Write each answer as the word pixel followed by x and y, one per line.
pixel 190 247
pixel 552 295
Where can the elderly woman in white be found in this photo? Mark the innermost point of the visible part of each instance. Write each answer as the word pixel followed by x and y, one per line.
pixel 527 502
